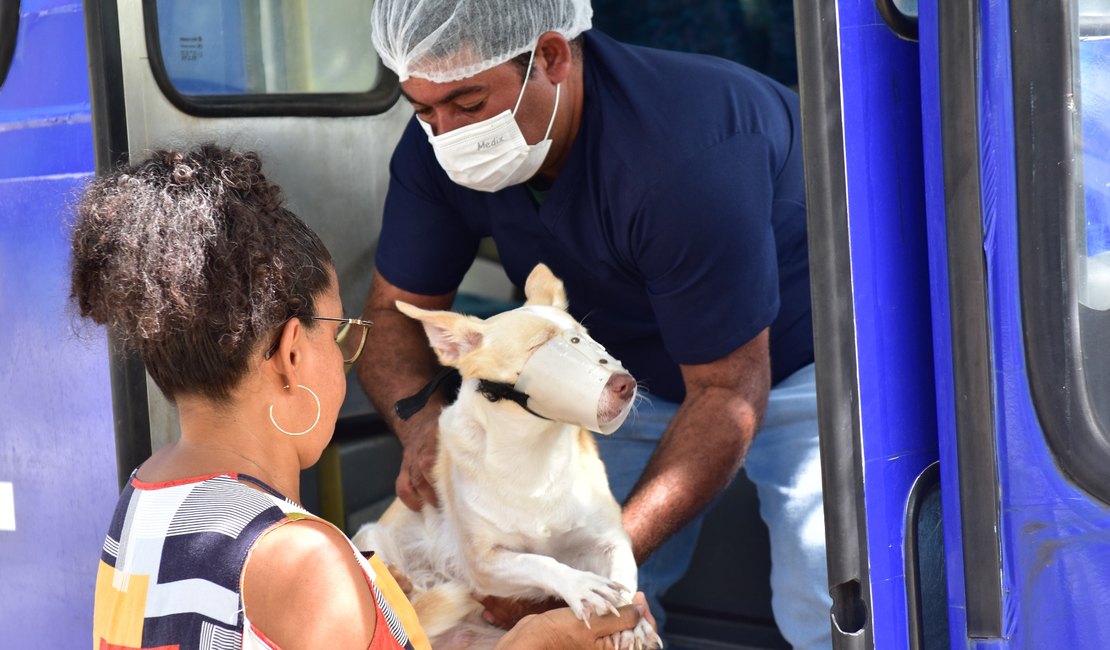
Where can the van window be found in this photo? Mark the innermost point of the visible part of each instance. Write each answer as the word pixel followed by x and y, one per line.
pixel 1093 202
pixel 900 16
pixel 907 7
pixel 9 27
pixel 1063 192
pixel 210 53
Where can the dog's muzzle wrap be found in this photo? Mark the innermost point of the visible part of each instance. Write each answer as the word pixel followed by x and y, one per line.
pixel 565 381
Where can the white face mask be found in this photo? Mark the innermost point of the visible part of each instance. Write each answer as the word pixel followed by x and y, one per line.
pixel 492 154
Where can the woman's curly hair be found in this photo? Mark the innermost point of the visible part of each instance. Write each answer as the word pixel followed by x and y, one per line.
pixel 192 259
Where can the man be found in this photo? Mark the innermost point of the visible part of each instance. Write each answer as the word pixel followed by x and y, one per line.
pixel 666 191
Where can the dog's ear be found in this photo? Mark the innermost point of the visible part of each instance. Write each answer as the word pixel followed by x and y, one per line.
pixel 543 288
pixel 452 335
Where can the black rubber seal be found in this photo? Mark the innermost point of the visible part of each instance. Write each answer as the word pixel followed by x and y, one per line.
pixel 973 381
pixel 9 31
pixel 834 316
pixel 109 117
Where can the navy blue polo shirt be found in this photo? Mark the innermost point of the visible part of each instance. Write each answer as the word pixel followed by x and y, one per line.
pixel 677 222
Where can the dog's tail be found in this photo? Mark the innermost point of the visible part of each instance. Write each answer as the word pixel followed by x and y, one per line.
pixel 443 607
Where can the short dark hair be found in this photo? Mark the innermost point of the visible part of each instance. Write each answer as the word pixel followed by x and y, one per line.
pixel 191 258
pixel 520 61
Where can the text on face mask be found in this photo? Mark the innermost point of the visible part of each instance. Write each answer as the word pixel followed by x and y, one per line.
pixel 491 143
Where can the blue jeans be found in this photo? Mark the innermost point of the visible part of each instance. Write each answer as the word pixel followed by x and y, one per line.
pixel 785 466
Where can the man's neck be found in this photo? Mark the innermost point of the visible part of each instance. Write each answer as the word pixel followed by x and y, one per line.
pixel 565 131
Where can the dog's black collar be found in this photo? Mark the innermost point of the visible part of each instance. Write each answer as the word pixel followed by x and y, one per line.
pixel 494 391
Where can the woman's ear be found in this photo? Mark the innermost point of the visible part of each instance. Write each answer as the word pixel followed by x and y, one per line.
pixel 553 56
pixel 287 357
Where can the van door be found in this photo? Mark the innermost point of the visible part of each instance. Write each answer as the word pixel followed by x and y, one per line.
pixel 1016 133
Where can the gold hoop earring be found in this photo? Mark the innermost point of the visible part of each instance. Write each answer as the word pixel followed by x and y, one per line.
pixel 314 422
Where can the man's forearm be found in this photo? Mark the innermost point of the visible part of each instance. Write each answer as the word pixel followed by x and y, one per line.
pixel 396 363
pixel 700 452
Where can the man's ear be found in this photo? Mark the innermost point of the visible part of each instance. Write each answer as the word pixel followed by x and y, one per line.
pixel 452 335
pixel 554 56
pixel 543 288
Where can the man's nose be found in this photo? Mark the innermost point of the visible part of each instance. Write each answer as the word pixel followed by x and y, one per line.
pixel 444 122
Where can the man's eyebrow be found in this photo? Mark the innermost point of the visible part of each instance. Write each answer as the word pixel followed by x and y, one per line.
pixel 454 94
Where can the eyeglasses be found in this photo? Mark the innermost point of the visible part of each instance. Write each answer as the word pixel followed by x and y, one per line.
pixel 350 337
pixel 350 342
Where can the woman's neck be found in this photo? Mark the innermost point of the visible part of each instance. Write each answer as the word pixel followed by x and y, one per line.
pixel 217 441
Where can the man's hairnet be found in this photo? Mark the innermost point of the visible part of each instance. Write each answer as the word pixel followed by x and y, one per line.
pixel 442 41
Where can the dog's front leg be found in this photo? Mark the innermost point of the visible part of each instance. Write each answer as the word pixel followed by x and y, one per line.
pixel 618 562
pixel 622 569
pixel 621 563
pixel 510 574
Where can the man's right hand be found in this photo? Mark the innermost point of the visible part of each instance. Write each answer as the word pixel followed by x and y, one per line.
pixel 396 362
pixel 414 481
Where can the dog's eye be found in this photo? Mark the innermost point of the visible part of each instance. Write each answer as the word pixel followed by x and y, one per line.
pixel 575 339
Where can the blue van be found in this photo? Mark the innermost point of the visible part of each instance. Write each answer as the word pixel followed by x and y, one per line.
pixel 958 180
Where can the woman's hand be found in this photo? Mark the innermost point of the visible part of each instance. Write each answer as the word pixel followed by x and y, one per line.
pixel 558 629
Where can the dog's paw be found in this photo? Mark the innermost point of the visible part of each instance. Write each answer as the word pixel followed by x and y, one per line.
pixel 641 637
pixel 591 594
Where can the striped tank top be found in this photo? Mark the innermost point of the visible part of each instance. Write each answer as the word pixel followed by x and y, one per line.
pixel 170 573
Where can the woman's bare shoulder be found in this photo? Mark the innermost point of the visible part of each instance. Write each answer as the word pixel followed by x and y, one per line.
pixel 304 588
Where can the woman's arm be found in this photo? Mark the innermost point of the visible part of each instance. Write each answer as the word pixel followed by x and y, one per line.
pixel 303 588
pixel 558 629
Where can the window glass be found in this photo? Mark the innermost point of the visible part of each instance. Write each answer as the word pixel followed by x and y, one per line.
pixel 262 47
pixel 1093 218
pixel 907 7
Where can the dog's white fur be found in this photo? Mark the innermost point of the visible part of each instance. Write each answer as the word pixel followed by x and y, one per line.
pixel 525 507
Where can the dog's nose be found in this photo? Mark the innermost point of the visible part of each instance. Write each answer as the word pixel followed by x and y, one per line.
pixel 621 385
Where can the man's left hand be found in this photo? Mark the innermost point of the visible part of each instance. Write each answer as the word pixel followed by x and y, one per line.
pixel 506 612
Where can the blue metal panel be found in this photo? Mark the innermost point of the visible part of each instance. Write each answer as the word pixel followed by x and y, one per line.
pixel 49 73
pixel 34 148
pixel 882 134
pixel 45 122
pixel 56 440
pixel 1055 539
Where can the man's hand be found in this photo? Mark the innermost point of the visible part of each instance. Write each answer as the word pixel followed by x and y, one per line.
pixel 414 481
pixel 396 362
pixel 507 612
pixel 558 629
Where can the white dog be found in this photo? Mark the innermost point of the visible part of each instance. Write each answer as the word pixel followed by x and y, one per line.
pixel 525 507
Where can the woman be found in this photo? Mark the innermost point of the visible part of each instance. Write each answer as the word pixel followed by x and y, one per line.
pixel 233 305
